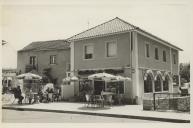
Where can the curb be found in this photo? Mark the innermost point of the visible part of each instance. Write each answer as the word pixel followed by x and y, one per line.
pixel 103 114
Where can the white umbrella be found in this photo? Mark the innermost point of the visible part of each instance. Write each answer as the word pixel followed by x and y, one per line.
pixel 49 85
pixel 120 78
pixel 29 76
pixel 102 76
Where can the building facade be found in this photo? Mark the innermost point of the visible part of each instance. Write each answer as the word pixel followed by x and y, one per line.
pixel 116 47
pixel 46 55
pixel 120 48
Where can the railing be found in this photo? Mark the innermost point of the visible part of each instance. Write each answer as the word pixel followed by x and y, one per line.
pixel 165 100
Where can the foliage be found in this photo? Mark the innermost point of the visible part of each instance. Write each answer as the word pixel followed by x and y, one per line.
pixel 47 77
pixel 85 88
pixel 29 68
pixel 185 72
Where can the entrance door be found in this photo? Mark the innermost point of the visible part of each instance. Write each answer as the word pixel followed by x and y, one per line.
pixel 98 87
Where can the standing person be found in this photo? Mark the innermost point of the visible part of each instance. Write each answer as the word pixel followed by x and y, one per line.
pixel 30 96
pixel 18 95
pixel 50 94
pixel 40 94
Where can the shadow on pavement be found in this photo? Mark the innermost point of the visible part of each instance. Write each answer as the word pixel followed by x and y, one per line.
pixel 93 108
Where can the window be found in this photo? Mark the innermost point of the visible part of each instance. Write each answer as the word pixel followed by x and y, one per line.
pixel 156 54
pixel 53 59
pixel 166 84
pixel 68 74
pixel 164 56
pixel 116 87
pixel 148 86
pixel 32 60
pixel 174 58
pixel 147 50
pixel 88 52
pixel 131 41
pixel 158 84
pixel 111 49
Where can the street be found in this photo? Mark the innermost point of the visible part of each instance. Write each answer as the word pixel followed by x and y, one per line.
pixel 13 116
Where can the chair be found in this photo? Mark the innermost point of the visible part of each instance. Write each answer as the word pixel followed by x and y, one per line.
pixel 99 100
pixel 109 99
pixel 50 97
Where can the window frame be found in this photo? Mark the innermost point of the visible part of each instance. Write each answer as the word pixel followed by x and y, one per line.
pixel 174 58
pixel 164 57
pixel 156 54
pixel 68 74
pixel 147 43
pixel 106 49
pixel 84 51
pixel 34 60
pixel 51 59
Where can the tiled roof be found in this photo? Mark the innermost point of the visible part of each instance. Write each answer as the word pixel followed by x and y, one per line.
pixel 113 26
pixel 47 45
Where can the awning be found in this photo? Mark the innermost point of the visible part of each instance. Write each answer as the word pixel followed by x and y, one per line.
pixel 103 76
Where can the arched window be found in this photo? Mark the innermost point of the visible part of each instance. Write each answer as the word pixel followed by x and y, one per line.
pixel 157 84
pixel 166 83
pixel 148 86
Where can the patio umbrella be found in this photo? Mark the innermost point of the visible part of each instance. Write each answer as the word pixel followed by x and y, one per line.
pixel 122 78
pixel 103 76
pixel 28 76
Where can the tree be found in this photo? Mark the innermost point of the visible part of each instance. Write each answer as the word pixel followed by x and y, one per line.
pixel 47 77
pixel 185 72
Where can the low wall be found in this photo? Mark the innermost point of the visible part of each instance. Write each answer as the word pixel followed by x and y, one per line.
pixel 177 103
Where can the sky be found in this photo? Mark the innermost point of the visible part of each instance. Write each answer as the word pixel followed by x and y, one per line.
pixel 23 22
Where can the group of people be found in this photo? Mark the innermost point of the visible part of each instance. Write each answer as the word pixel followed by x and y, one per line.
pixel 49 95
pixel 44 96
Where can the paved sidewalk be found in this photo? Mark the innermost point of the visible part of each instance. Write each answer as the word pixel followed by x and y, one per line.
pixel 122 111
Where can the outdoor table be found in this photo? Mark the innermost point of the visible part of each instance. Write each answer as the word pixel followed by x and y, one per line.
pixel 106 95
pixel 98 99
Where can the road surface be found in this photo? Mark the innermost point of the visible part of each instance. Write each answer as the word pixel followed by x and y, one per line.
pixel 13 116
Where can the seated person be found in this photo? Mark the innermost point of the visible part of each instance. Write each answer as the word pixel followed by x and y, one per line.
pixel 40 94
pixel 17 94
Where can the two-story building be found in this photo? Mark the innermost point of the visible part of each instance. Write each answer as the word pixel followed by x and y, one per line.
pixel 121 48
pixel 53 55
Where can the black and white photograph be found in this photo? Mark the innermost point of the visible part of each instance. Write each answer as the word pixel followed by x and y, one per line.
pixel 89 61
